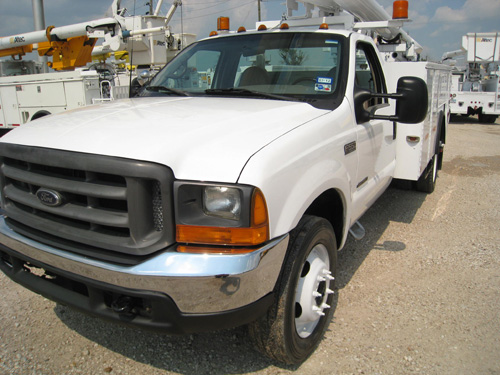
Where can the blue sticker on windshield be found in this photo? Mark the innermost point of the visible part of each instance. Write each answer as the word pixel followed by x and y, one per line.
pixel 323 84
pixel 325 80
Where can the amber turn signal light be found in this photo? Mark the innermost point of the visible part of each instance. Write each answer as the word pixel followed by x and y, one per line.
pixel 256 234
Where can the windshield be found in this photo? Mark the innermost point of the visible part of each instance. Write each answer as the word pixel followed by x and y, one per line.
pixel 285 66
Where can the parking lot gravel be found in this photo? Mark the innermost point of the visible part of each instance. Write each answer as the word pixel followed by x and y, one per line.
pixel 420 294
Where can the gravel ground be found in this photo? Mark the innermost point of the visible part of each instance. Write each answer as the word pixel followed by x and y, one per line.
pixel 420 294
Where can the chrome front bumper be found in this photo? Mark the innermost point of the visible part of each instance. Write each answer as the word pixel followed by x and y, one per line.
pixel 197 283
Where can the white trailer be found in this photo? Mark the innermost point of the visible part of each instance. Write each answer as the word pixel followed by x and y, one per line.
pixel 476 87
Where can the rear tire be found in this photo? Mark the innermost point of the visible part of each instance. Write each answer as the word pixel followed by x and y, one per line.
pixel 427 182
pixel 294 326
pixel 487 119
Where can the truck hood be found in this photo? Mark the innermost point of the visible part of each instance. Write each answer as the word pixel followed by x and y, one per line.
pixel 199 138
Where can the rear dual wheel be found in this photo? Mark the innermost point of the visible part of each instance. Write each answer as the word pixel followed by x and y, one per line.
pixel 294 326
pixel 487 119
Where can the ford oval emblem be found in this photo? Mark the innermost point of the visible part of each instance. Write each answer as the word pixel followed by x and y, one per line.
pixel 49 197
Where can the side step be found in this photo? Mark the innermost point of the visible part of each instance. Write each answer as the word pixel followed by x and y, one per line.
pixel 357 231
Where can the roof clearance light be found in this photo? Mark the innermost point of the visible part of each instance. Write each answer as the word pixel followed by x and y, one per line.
pixel 213 33
pixel 323 26
pixel 400 9
pixel 284 26
pixel 241 29
pixel 262 28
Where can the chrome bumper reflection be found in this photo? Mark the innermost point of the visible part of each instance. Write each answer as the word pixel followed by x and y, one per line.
pixel 198 283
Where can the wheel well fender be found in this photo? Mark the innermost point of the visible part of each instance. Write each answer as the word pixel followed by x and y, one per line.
pixel 440 138
pixel 441 131
pixel 39 114
pixel 330 206
pixel 326 199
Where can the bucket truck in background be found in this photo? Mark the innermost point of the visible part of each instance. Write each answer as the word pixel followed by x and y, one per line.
pixel 25 97
pixel 476 83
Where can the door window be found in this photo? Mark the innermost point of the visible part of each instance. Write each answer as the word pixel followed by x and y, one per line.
pixel 369 74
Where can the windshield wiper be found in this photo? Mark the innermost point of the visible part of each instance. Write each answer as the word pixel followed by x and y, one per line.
pixel 167 90
pixel 246 92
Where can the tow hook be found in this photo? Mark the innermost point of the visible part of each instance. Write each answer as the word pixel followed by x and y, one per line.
pixel 123 305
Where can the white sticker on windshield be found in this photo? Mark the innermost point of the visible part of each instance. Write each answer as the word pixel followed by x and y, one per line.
pixel 323 84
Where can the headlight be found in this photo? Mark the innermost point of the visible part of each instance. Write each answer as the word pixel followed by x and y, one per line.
pixel 223 202
pixel 213 214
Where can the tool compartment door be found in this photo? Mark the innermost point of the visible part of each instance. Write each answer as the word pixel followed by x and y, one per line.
pixel 41 94
pixel 10 108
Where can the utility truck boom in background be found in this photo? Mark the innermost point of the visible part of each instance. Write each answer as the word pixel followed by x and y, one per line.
pixel 476 84
pixel 25 95
pixel 220 195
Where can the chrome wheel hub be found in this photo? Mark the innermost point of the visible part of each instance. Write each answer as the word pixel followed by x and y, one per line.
pixel 313 290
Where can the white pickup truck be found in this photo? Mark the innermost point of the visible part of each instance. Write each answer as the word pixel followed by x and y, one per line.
pixel 220 196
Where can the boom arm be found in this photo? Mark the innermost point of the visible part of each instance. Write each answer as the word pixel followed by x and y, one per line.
pixel 96 28
pixel 452 54
pixel 71 46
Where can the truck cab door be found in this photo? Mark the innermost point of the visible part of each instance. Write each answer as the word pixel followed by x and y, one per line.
pixel 375 138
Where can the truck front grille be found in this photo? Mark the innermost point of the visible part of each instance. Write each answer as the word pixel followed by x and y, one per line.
pixel 104 204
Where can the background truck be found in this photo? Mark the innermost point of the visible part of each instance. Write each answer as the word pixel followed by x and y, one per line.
pixel 26 95
pixel 220 196
pixel 476 79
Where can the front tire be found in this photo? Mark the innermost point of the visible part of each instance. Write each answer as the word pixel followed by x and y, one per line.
pixel 294 326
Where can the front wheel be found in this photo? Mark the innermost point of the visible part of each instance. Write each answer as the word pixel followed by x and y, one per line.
pixel 294 326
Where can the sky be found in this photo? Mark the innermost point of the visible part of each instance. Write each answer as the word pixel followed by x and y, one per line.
pixel 438 25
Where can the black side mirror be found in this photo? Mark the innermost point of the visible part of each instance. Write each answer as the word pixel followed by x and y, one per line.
pixel 361 96
pixel 411 107
pixel 411 102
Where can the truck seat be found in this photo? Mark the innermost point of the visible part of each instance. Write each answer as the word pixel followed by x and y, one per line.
pixel 254 76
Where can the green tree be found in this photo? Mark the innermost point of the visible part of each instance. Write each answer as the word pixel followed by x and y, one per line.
pixel 292 56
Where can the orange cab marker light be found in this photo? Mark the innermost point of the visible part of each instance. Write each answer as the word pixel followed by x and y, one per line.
pixel 323 26
pixel 241 29
pixel 213 33
pixel 262 28
pixel 284 26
